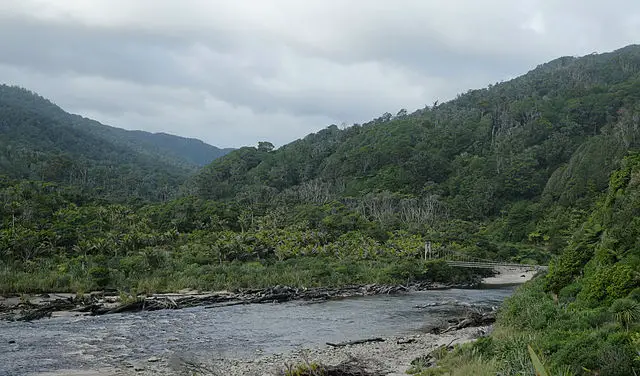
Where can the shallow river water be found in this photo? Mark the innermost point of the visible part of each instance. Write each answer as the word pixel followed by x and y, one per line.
pixel 231 332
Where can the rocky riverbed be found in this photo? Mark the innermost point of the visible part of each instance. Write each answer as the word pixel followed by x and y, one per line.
pixel 391 356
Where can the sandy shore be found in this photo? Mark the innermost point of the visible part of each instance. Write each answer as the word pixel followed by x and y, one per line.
pixel 509 276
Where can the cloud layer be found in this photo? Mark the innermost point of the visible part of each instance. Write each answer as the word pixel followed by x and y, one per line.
pixel 233 73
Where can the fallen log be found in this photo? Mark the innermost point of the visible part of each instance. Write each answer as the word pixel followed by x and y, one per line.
pixel 357 342
pixel 474 319
pixel 351 367
pixel 347 369
pixel 31 312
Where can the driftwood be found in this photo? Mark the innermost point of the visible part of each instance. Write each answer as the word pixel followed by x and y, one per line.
pixel 472 319
pixel 98 304
pixel 351 367
pixel 357 342
pixel 277 294
pixel 347 369
pixel 35 312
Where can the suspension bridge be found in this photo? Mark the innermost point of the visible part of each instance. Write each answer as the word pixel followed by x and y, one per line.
pixel 464 260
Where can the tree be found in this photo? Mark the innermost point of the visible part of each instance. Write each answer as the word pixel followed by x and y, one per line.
pixel 265 146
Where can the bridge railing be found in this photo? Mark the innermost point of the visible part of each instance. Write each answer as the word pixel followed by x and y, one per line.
pixel 469 264
pixel 460 259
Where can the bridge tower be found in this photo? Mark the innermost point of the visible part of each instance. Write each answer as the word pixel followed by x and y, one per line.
pixel 428 252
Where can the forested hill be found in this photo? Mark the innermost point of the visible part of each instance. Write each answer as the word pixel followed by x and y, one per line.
pixel 40 141
pixel 191 150
pixel 551 135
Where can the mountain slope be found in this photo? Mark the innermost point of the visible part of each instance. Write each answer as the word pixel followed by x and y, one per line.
pixel 173 149
pixel 191 150
pixel 539 136
pixel 41 141
pixel 545 166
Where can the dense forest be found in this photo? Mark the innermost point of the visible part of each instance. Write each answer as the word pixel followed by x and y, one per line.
pixel 540 169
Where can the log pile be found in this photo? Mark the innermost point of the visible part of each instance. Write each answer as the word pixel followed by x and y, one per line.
pixel 99 304
pixel 32 312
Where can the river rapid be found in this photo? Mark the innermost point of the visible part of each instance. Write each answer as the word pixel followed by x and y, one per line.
pixel 236 332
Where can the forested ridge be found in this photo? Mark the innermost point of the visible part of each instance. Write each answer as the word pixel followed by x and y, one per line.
pixel 555 133
pixel 40 141
pixel 539 169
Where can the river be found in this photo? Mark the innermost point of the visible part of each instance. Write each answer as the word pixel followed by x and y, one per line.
pixel 230 332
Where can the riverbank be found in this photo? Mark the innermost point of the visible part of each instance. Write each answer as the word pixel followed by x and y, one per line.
pixel 508 275
pixel 34 307
pixel 46 276
pixel 28 307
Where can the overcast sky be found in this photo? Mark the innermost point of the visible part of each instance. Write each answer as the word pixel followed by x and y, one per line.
pixel 235 72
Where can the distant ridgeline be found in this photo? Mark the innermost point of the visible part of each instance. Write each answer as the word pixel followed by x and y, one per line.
pixel 40 141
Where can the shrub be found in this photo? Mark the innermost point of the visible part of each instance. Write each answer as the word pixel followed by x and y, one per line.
pixel 569 293
pixel 607 284
pixel 626 311
pixel 100 276
pixel 308 369
pixel 530 308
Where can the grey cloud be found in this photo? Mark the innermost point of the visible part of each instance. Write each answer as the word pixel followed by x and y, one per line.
pixel 238 72
pixel 72 48
pixel 144 58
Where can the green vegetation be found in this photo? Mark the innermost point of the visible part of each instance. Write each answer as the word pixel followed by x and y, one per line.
pixel 584 315
pixel 39 141
pixel 53 240
pixel 514 149
pixel 309 369
pixel 540 168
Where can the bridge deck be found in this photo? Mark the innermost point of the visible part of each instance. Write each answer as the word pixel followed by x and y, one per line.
pixel 491 265
pixel 459 259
